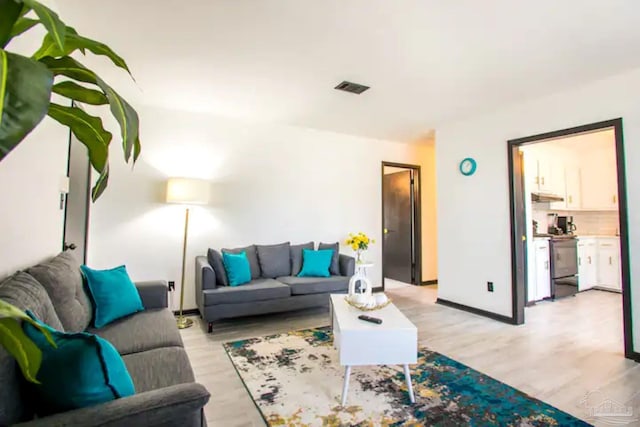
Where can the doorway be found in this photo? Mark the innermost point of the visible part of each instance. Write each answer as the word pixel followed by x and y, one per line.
pixel 77 201
pixel 547 235
pixel 401 224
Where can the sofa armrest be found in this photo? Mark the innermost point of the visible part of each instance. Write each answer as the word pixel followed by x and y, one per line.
pixel 347 265
pixel 205 274
pixel 175 405
pixel 154 293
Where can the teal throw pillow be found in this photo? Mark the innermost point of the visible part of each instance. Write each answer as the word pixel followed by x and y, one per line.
pixel 114 294
pixel 316 263
pixel 82 370
pixel 237 268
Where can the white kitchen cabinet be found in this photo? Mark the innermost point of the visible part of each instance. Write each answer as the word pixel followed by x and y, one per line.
pixel 609 269
pixel 599 180
pixel 587 267
pixel 599 263
pixel 543 271
pixel 573 196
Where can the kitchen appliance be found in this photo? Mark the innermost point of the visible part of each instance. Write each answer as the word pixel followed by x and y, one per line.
pixel 566 224
pixel 564 266
pixel 552 224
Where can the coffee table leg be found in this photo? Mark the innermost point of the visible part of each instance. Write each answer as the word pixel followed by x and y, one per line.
pixel 345 387
pixel 407 376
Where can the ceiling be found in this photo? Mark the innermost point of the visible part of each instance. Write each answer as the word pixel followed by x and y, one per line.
pixel 427 61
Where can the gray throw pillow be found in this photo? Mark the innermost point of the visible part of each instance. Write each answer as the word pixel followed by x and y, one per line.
pixel 334 268
pixel 215 261
pixel 274 260
pixel 252 257
pixel 296 257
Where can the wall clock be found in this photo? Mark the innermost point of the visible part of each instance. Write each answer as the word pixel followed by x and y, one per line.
pixel 468 166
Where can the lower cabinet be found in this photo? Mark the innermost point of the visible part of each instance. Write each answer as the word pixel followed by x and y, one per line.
pixel 599 263
pixel 539 283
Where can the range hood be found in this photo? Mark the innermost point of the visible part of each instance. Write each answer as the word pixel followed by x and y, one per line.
pixel 546 198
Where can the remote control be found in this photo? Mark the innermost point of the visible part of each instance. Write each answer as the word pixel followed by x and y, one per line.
pixel 370 319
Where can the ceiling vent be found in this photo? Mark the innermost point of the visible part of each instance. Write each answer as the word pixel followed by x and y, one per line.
pixel 352 87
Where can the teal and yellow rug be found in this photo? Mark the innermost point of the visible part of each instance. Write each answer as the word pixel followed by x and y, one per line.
pixel 295 380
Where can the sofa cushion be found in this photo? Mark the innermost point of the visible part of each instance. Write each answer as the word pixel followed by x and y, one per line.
pixel 316 263
pixel 23 291
pixel 252 256
pixel 113 293
pixel 274 259
pixel 256 290
pixel 334 269
pixel 81 370
pixel 295 253
pixel 315 285
pixel 142 331
pixel 215 261
pixel 63 281
pixel 237 268
pixel 158 368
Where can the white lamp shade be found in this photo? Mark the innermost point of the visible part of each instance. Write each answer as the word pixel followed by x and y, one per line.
pixel 187 191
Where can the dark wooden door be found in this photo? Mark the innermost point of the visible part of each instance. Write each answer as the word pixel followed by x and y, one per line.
pixel 398 226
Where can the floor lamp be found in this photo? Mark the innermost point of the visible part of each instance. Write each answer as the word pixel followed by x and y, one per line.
pixel 186 191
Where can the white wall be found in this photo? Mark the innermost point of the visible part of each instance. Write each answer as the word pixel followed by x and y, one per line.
pixel 31 221
pixel 473 211
pixel 269 184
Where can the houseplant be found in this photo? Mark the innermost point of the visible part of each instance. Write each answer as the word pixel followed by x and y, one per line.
pixel 359 243
pixel 26 85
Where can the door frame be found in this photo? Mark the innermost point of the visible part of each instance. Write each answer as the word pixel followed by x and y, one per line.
pixel 518 255
pixel 417 229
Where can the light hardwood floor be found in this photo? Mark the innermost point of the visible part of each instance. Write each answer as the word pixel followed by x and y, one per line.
pixel 566 349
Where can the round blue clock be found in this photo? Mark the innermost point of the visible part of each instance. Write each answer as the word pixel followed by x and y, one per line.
pixel 468 166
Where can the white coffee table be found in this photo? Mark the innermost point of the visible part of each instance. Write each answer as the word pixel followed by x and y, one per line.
pixel 359 343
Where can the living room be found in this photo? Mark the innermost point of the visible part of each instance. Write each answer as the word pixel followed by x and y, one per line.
pixel 241 96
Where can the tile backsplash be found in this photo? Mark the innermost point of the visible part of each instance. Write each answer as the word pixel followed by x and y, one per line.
pixel 604 223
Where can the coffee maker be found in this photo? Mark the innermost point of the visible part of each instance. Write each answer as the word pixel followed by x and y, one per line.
pixel 566 224
pixel 552 224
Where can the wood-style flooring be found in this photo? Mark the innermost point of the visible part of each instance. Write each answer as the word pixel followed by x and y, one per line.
pixel 566 349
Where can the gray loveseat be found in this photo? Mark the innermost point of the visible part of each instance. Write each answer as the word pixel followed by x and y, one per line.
pixel 149 342
pixel 274 287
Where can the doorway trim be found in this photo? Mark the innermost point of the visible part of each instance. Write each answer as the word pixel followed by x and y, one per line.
pixel 518 254
pixel 417 229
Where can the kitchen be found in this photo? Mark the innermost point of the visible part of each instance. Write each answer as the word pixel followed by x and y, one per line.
pixel 572 217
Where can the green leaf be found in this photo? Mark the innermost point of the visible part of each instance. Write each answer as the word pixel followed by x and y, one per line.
pixel 90 131
pixel 69 67
pixel 73 42
pixel 126 116
pixel 20 346
pixel 25 90
pixel 8 310
pixel 22 25
pixel 137 148
pixel 50 20
pixel 79 93
pixel 9 14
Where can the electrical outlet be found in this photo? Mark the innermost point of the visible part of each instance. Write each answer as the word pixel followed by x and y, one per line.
pixel 172 285
pixel 490 286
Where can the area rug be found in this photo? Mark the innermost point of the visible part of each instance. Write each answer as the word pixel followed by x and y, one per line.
pixel 295 380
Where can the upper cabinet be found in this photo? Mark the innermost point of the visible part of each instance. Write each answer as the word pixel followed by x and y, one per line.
pixel 587 180
pixel 599 180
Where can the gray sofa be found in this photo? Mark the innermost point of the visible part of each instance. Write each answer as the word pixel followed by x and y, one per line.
pixel 149 342
pixel 274 287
